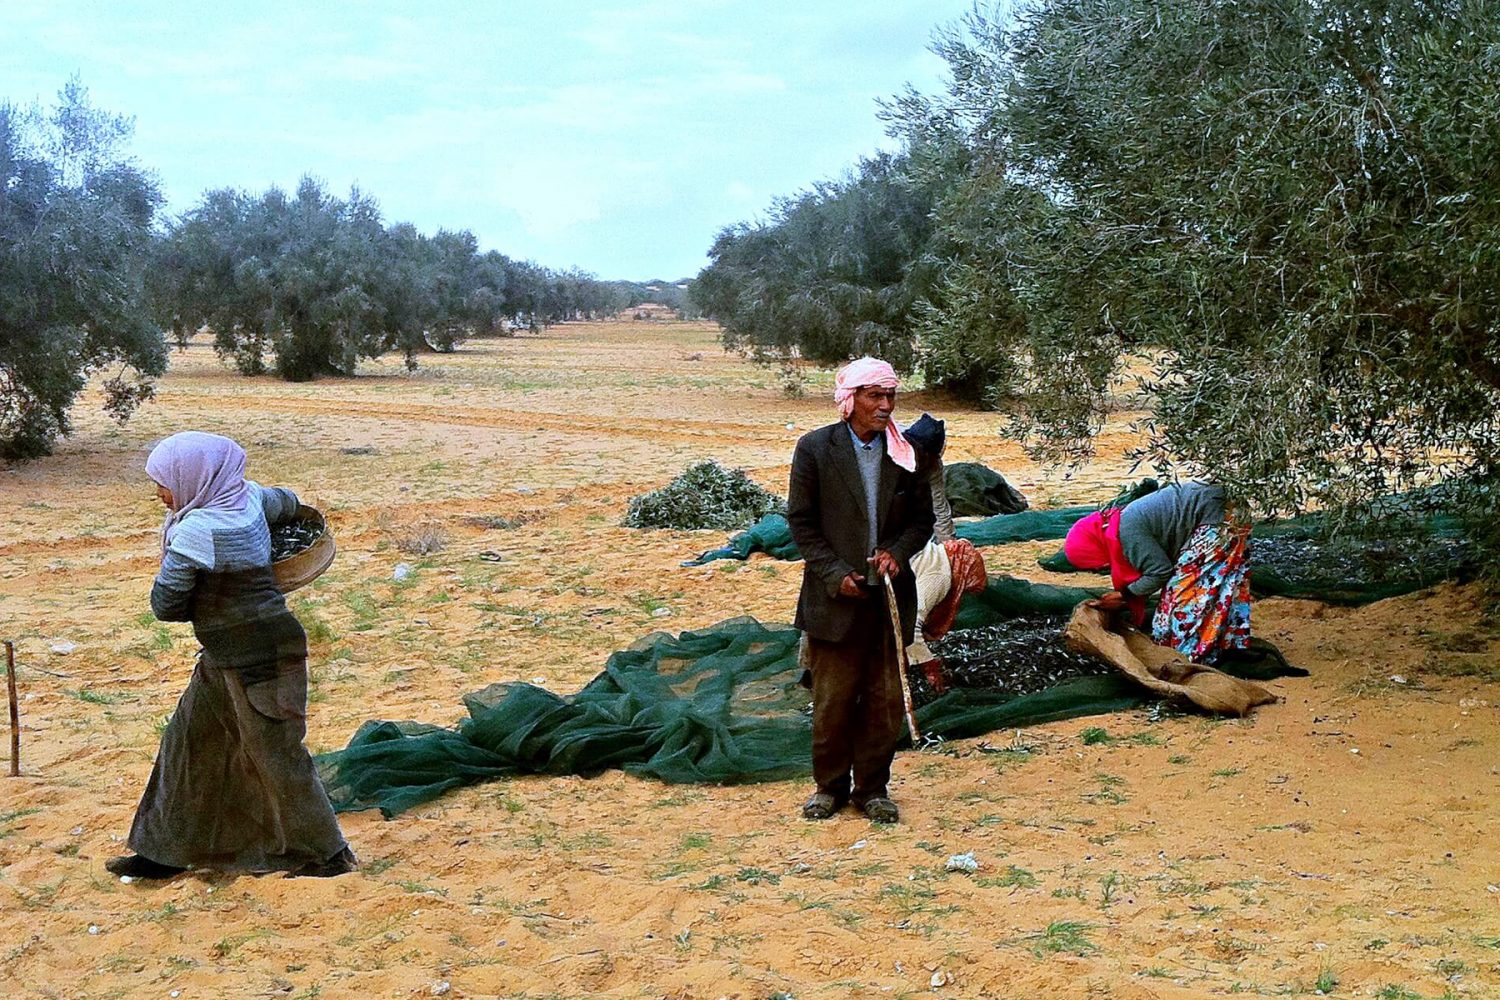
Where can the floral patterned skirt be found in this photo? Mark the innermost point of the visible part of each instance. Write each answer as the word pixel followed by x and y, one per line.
pixel 1205 607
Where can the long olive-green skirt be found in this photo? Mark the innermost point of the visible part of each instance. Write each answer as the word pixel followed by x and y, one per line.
pixel 234 789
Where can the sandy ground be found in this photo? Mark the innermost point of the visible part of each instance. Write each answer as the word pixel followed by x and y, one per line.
pixel 1342 839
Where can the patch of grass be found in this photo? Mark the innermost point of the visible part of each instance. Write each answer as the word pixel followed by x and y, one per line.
pixel 1012 878
pixel 755 876
pixel 1109 888
pixel 423 540
pixel 1060 936
pixel 421 888
pixel 1228 772
pixel 1108 793
pixel 1447 967
pixel 227 946
pixel 8 818
pixel 1179 759
pixel 94 697
pixel 1326 982
pixel 695 841
pixel 498 522
pixel 1096 736
pixel 1156 972
pixel 1476 665
pixel 377 867
pixel 1392 991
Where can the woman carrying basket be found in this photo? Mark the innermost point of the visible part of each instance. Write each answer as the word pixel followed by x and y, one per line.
pixel 233 788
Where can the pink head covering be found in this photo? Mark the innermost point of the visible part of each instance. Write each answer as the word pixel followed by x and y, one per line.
pixel 203 471
pixel 873 371
pixel 1093 543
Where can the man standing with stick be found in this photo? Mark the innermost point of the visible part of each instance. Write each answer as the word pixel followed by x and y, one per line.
pixel 858 512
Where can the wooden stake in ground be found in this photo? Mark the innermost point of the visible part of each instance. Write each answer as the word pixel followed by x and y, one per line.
pixel 911 713
pixel 15 712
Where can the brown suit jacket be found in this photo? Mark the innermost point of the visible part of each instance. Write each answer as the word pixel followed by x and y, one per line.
pixel 826 512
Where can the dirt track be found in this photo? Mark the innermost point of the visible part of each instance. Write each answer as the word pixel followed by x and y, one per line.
pixel 1346 833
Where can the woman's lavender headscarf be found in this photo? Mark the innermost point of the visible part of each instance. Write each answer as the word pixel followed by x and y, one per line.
pixel 203 471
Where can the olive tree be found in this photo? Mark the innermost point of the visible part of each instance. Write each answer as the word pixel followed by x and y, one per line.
pixel 75 231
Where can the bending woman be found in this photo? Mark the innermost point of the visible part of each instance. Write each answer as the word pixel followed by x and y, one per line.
pixel 1181 541
pixel 233 788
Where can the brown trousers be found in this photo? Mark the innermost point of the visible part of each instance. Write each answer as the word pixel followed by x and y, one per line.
pixel 857 714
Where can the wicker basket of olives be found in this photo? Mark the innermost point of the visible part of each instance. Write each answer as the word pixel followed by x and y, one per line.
pixel 301 549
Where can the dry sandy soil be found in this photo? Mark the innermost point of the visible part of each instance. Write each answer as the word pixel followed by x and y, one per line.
pixel 1343 838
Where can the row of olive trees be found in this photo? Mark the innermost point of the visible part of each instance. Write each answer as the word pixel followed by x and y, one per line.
pixel 1293 204
pixel 309 284
pixel 303 285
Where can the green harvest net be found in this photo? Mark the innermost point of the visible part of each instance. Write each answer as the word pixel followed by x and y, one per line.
pixel 976 490
pixel 720 705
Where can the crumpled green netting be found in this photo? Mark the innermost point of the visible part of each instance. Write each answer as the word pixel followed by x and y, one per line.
pixel 976 490
pixel 720 705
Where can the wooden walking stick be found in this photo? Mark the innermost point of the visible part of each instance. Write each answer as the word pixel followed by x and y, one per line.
pixel 911 713
pixel 15 712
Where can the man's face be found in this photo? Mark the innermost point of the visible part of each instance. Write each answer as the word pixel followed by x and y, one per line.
pixel 873 406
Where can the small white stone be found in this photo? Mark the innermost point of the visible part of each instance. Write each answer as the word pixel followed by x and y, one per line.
pixel 126 879
pixel 402 571
pixel 539 680
pixel 93 928
pixel 1397 679
pixel 939 979
pixel 662 613
pixel 438 989
pixel 1354 749
pixel 63 647
pixel 859 845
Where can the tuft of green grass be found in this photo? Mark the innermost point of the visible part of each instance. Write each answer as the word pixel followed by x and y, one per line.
pixel 1096 736
pixel 1060 936
pixel 94 697
pixel 1326 982
pixel 755 876
pixel 7 818
pixel 1392 991
pixel 1013 878
pixel 1228 772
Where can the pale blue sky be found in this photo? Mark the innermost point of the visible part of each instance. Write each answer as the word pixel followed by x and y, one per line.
pixel 617 137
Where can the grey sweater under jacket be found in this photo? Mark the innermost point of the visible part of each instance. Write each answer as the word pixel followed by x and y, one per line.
pixel 1155 529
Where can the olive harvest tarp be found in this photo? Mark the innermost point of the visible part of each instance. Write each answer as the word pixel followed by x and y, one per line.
pixel 718 705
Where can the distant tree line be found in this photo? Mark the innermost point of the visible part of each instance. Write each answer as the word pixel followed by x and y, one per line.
pixel 301 285
pixel 1291 207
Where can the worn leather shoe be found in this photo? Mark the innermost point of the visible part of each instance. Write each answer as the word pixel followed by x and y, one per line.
pixel 881 810
pixel 821 806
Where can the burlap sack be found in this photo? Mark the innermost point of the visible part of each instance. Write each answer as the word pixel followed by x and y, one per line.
pixel 1159 669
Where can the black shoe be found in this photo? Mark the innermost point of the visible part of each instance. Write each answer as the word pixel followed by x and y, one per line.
pixel 881 810
pixel 341 863
pixel 135 866
pixel 821 806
